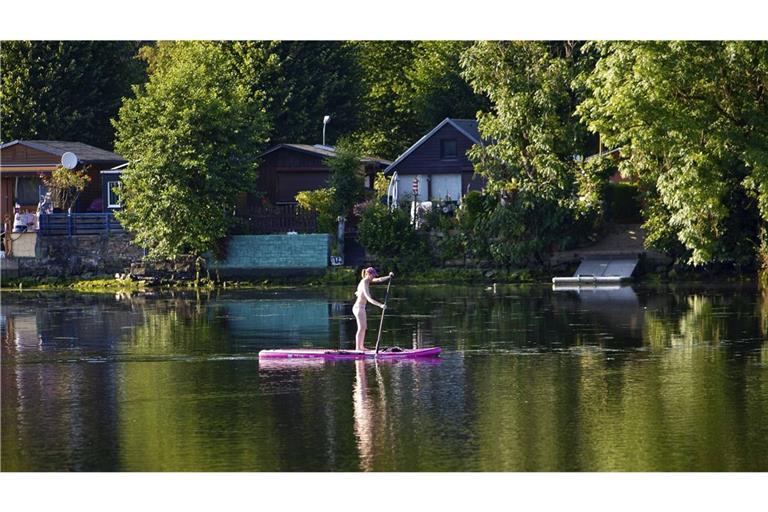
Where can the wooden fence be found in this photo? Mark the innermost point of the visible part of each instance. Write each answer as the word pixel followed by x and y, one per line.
pixel 257 221
pixel 79 224
pixel 276 219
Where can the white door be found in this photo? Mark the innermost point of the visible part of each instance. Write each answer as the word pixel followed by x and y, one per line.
pixel 446 186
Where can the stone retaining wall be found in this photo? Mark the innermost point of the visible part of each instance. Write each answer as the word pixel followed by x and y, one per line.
pixel 80 255
pixel 247 256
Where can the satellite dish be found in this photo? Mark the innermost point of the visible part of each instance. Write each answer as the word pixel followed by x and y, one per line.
pixel 69 160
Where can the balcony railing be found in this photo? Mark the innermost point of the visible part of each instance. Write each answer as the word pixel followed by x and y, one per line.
pixel 70 224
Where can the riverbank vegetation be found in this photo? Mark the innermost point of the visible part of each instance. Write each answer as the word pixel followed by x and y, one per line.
pixel 685 123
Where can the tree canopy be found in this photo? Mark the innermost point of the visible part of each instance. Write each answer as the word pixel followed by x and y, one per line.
pixel 691 120
pixel 532 138
pixel 408 88
pixel 65 90
pixel 192 135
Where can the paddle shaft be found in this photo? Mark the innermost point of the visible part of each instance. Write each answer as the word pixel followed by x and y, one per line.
pixel 381 322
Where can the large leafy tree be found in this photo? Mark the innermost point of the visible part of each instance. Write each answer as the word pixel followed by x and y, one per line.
pixel 532 137
pixel 409 87
pixel 691 119
pixel 192 134
pixel 298 83
pixel 389 124
pixel 65 90
pixel 316 78
pixel 438 88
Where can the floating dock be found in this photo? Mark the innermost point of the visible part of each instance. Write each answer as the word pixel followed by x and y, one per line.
pixel 600 271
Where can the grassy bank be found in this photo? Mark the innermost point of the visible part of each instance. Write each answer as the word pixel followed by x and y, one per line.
pixel 350 276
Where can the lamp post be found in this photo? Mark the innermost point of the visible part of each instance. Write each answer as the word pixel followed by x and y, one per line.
pixel 325 122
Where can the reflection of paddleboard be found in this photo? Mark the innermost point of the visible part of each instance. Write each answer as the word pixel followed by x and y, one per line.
pixel 321 353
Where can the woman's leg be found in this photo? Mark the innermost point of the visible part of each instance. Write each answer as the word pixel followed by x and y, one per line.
pixel 362 326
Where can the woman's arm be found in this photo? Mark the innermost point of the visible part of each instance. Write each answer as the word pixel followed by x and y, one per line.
pixel 384 279
pixel 370 299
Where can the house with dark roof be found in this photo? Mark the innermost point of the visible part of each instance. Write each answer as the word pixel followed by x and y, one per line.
pixel 288 169
pixel 22 162
pixel 438 163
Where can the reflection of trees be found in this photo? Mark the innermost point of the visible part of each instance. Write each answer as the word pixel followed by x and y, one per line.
pixel 763 305
pixel 58 417
pixel 472 317
pixel 178 325
pixel 690 319
pixel 191 414
pixel 691 403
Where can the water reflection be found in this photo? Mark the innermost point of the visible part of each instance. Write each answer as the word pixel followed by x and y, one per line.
pixel 672 378
pixel 364 416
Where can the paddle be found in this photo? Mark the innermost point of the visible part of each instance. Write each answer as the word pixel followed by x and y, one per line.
pixel 381 323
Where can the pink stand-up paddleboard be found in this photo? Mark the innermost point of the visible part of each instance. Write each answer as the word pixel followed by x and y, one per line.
pixel 321 353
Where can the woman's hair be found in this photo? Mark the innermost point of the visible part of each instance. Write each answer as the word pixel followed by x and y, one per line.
pixel 368 270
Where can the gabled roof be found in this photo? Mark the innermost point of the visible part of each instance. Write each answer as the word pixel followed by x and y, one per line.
pixel 468 127
pixel 85 153
pixel 323 151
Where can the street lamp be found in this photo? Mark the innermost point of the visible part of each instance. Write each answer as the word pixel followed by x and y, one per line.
pixel 325 122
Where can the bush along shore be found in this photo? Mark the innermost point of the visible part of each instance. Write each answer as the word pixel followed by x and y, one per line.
pixel 346 276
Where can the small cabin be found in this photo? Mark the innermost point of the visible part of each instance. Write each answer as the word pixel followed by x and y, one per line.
pixel 436 167
pixel 24 162
pixel 288 169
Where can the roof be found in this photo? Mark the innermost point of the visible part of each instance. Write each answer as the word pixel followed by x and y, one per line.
pixel 85 153
pixel 614 151
pixel 468 127
pixel 324 151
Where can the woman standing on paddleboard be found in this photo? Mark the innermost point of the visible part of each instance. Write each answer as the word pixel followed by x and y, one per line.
pixel 369 275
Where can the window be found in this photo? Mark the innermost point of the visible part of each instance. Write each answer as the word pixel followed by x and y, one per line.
pixel 447 149
pixel 113 199
pixel 446 187
pixel 28 191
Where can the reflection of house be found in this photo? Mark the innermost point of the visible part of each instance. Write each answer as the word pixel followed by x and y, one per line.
pixel 288 169
pixel 439 162
pixel 22 162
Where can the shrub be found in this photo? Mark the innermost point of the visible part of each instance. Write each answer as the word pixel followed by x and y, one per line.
pixel 320 201
pixel 390 237
pixel 65 185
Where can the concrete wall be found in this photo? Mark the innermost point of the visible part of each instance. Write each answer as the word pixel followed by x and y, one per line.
pixel 273 255
pixel 23 245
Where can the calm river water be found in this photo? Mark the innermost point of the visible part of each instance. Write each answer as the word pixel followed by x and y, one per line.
pixel 644 379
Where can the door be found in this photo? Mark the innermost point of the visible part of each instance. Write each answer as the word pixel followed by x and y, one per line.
pixel 6 198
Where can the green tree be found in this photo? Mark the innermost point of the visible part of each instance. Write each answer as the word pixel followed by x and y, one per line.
pixel 298 82
pixel 345 188
pixel 439 89
pixel 409 87
pixel 391 238
pixel 346 179
pixel 691 119
pixel 530 162
pixel 316 78
pixel 389 124
pixel 65 90
pixel 192 134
